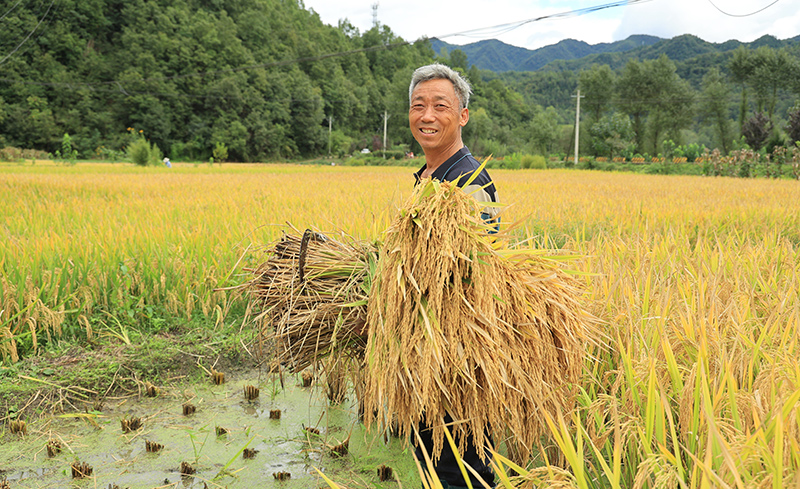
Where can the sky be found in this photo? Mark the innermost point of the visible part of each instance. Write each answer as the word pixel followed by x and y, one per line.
pixel 711 20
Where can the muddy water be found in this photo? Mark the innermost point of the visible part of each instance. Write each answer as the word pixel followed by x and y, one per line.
pixel 283 445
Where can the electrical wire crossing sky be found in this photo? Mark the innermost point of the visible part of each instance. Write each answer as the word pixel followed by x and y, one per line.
pixel 534 24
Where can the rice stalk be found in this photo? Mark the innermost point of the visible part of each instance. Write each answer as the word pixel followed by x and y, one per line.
pixel 311 292
pixel 461 323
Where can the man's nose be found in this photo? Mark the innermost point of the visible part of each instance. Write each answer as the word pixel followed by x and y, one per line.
pixel 427 114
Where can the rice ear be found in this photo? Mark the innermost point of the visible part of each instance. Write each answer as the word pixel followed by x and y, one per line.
pixel 311 297
pixel 461 326
pixel 461 321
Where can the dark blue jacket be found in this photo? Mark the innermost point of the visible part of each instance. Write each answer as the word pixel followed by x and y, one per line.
pixel 463 165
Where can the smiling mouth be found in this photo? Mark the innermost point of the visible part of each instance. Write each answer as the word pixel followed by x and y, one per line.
pixel 428 131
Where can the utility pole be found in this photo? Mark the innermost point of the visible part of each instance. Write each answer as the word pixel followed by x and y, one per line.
pixel 330 128
pixel 385 118
pixel 577 124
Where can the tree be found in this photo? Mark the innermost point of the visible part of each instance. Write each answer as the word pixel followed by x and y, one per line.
pixel 653 88
pixel 741 67
pixel 714 106
pixel 597 86
pixel 635 90
pixel 672 107
pixel 756 130
pixel 771 71
pixel 793 126
pixel 458 59
pixel 184 72
pixel 262 76
pixel 542 130
pixel 306 117
pixel 612 135
pixel 480 125
pixel 2 116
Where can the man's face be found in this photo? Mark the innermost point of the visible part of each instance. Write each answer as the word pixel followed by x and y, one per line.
pixel 434 116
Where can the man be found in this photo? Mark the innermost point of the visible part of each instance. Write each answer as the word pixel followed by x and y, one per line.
pixel 438 98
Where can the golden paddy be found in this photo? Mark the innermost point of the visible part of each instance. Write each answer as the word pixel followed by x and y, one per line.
pixel 695 278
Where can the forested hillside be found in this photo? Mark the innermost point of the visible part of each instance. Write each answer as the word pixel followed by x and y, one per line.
pixel 572 55
pixel 683 91
pixel 265 80
pixel 191 74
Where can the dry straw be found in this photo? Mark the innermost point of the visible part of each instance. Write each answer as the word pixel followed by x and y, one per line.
pixel 461 323
pixel 312 296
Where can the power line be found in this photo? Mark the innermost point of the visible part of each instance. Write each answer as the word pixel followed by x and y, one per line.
pixel 12 8
pixel 743 15
pixel 29 34
pixel 53 16
pixel 499 29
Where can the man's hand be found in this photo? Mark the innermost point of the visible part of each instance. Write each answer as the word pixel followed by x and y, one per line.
pixel 360 328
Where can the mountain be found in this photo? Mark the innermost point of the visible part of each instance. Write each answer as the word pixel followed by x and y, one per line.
pixel 573 55
pixel 498 56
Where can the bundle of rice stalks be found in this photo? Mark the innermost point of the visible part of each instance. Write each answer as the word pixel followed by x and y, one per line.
pixel 461 323
pixel 312 297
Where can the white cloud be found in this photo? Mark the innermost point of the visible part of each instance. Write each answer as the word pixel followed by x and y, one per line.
pixel 412 19
pixel 699 17
pixel 584 28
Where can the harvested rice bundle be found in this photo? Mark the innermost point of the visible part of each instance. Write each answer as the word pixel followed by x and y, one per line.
pixel 459 323
pixel 311 293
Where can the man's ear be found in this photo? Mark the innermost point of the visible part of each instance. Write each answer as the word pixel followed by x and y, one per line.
pixel 464 117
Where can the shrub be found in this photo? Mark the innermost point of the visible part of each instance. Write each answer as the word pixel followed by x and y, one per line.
pixel 658 168
pixel 156 156
pixel 340 143
pixel 67 152
pixel 587 163
pixel 670 149
pixel 139 152
pixel 511 161
pixel 694 151
pixel 756 130
pixel 194 150
pixel 793 125
pixel 776 140
pixel 377 160
pixel 394 154
pixel 178 151
pixel 220 152
pixel 538 162
pixel 690 151
pixel 519 161
pixel 355 161
pixel 494 148
pixel 774 165
pixel 108 154
pixel 10 153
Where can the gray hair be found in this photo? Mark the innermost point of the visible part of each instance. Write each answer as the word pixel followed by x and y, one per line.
pixel 438 71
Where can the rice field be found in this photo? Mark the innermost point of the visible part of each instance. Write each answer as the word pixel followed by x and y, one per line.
pixel 696 280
